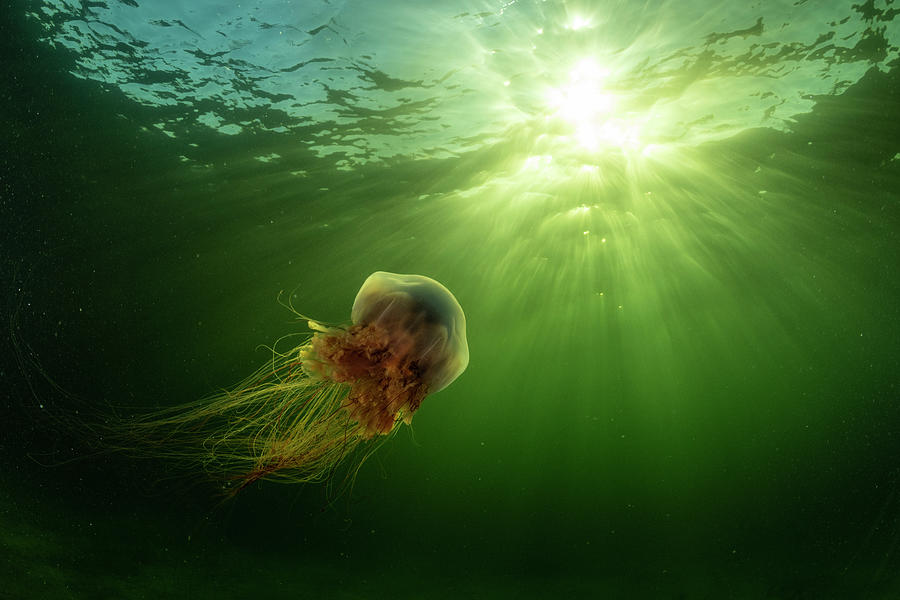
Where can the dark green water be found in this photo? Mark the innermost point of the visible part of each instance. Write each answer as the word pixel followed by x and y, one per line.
pixel 673 227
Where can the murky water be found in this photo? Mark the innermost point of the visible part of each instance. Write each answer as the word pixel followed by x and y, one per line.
pixel 672 226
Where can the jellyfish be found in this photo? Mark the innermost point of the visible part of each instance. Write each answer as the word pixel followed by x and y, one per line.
pixel 341 389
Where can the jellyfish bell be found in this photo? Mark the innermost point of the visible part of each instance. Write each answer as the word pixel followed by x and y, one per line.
pixel 427 311
pixel 312 407
pixel 408 340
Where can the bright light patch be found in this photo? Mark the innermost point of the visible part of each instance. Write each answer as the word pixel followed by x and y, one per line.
pixel 579 23
pixel 618 132
pixel 536 162
pixel 580 210
pixel 590 110
pixel 583 99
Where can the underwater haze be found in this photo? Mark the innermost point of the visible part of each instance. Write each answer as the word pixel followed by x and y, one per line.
pixel 673 226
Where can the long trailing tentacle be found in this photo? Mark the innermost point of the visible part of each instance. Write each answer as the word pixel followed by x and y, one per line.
pixel 278 424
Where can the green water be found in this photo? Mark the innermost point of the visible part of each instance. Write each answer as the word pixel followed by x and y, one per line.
pixel 673 227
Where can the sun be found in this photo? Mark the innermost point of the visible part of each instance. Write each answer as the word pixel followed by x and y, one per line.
pixel 589 109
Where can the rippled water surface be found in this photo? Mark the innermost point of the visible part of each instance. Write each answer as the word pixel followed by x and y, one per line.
pixel 673 227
